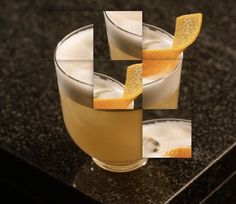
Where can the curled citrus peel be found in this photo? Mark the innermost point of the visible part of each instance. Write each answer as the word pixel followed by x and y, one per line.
pixel 187 28
pixel 133 88
pixel 179 152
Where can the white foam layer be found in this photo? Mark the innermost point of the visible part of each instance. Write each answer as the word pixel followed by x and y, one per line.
pixel 130 21
pixel 74 54
pixel 79 70
pixel 78 46
pixel 168 134
pixel 153 40
pixel 107 88
pixel 128 42
pixel 74 57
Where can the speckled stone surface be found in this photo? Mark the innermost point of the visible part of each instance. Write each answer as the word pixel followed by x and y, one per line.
pixel 31 122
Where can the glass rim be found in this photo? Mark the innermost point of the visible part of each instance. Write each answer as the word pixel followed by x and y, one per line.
pixel 94 73
pixel 108 77
pixel 91 26
pixel 150 121
pixel 179 60
pixel 105 13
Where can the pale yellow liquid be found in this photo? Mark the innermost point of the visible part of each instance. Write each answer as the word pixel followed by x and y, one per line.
pixel 117 54
pixel 109 136
pixel 170 103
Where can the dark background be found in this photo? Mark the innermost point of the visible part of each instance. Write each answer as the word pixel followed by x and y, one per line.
pixel 101 47
pixel 32 126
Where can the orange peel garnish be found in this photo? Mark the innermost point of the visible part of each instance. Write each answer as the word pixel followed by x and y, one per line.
pixel 179 152
pixel 187 29
pixel 133 88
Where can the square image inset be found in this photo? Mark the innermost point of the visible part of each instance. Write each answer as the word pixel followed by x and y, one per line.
pixel 167 134
pixel 161 81
pixel 117 85
pixel 124 33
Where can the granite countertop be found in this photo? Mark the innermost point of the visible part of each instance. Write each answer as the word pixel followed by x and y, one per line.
pixel 31 122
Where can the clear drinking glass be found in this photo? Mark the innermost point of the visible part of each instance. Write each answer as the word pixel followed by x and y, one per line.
pixel 112 138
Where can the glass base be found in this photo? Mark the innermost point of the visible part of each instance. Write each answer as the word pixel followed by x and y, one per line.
pixel 121 167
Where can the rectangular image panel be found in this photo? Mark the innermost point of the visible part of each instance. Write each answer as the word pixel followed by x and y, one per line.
pixel 124 33
pixel 167 134
pixel 117 85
